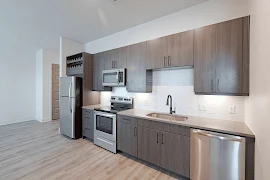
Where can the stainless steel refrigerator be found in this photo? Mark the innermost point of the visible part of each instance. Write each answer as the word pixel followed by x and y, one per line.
pixel 70 107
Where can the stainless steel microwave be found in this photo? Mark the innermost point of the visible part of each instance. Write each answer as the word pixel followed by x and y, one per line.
pixel 114 77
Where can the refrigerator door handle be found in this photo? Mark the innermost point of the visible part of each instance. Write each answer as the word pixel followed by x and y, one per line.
pixel 70 106
pixel 69 96
pixel 69 90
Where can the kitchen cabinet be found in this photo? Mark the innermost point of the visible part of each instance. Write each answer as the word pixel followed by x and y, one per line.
pixel 175 153
pixel 116 58
pixel 165 145
pixel 138 78
pixel 156 53
pixel 204 59
pixel 229 57
pixel 221 59
pixel 186 48
pixel 98 67
pixel 88 123
pixel 112 57
pixel 171 51
pixel 148 144
pixel 127 135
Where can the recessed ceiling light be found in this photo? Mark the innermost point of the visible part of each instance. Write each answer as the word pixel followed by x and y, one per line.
pixel 115 1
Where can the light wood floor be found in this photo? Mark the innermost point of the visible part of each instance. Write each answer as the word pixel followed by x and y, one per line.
pixel 33 150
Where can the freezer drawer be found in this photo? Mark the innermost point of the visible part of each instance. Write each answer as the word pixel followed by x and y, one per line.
pixel 216 156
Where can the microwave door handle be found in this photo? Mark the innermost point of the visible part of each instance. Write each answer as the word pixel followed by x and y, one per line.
pixel 117 77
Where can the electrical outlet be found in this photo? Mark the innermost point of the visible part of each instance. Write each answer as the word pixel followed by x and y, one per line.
pixel 231 109
pixel 145 103
pixel 202 107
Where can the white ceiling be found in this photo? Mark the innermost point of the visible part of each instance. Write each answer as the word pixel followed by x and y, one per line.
pixel 35 24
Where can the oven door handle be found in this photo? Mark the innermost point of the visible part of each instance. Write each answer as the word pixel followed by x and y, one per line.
pixel 105 115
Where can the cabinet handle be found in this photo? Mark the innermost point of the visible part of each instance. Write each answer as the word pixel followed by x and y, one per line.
pixel 112 64
pixel 212 85
pixel 165 62
pixel 169 60
pixel 115 64
pixel 161 138
pixel 135 131
pixel 157 137
pixel 218 85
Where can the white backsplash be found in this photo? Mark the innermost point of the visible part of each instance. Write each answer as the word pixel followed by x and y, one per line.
pixel 179 84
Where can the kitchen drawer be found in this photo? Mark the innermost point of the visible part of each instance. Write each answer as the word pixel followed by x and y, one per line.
pixel 127 120
pixel 149 124
pixel 181 130
pixel 89 133
pixel 167 127
pixel 88 113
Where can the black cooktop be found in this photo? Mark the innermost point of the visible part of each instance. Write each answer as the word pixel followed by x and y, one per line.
pixel 111 109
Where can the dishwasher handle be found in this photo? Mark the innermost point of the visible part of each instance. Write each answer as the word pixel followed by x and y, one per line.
pixel 217 136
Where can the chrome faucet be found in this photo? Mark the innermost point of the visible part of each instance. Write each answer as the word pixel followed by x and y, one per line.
pixel 170 97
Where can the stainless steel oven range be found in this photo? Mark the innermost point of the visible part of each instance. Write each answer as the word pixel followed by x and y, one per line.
pixel 105 122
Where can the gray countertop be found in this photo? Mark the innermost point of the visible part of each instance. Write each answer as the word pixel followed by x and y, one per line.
pixel 225 126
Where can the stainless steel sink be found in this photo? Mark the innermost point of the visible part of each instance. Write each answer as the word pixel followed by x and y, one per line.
pixel 168 116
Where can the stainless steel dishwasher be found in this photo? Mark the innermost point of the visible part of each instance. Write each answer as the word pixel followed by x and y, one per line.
pixel 216 156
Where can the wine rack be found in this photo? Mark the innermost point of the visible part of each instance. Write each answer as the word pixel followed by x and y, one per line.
pixel 75 64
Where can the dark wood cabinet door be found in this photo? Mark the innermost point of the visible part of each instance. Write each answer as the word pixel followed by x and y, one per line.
pixel 148 145
pixel 172 50
pixel 88 123
pixel 136 70
pixel 112 56
pixel 99 66
pixel 186 48
pixel 246 43
pixel 174 153
pixel 127 135
pixel 157 53
pixel 204 59
pixel 229 59
pixel 95 71
pixel 123 57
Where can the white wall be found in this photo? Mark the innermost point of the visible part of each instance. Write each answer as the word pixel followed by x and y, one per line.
pixel 207 13
pixel 39 85
pixel 67 48
pixel 49 58
pixel 17 92
pixel 44 61
pixel 181 86
pixel 257 114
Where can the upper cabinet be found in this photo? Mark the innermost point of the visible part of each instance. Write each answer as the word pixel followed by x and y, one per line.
pixel 171 51
pixel 116 58
pixel 186 48
pixel 221 59
pixel 98 66
pixel 138 78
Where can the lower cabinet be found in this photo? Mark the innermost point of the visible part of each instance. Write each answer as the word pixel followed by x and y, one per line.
pixel 88 123
pixel 127 135
pixel 165 145
pixel 148 145
pixel 165 149
pixel 175 153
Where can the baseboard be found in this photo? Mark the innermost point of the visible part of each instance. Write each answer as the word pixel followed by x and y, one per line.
pixel 46 120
